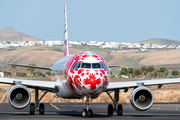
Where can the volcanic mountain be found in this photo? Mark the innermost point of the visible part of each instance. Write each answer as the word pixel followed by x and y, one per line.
pixel 9 34
pixel 160 41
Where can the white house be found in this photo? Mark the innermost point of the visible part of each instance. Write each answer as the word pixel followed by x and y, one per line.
pixel 1 74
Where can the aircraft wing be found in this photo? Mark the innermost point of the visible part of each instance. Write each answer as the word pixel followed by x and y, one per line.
pixel 39 67
pixel 42 85
pixel 131 84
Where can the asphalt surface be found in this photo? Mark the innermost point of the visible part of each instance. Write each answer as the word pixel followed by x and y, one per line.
pixel 71 111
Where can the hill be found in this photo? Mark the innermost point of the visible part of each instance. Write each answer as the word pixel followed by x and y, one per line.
pixel 160 41
pixel 156 58
pixel 9 34
pixel 42 55
pixel 124 58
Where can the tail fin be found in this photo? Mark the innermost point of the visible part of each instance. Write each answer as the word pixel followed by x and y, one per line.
pixel 66 41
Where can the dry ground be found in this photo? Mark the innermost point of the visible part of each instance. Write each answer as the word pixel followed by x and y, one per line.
pixel 168 93
pixel 47 56
pixel 136 58
pixel 41 55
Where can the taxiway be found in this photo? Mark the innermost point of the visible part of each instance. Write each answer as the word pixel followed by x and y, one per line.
pixel 57 111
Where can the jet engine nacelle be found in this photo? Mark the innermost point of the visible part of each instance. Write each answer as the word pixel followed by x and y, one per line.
pixel 19 96
pixel 142 98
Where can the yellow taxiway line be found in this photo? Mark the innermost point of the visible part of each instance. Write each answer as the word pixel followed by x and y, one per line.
pixel 54 106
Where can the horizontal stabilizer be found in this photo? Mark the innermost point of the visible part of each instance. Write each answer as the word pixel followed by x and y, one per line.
pixel 38 67
pixel 111 66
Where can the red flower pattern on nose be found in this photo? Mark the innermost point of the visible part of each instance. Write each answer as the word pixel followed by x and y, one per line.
pixel 92 81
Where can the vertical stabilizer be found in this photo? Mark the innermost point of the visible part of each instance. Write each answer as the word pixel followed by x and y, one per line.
pixel 66 40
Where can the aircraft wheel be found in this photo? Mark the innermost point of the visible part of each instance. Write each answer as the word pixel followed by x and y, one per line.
pixel 90 113
pixel 120 110
pixel 110 110
pixel 84 113
pixel 32 109
pixel 41 109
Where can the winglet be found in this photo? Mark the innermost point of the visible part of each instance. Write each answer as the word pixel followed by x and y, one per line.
pixel 66 40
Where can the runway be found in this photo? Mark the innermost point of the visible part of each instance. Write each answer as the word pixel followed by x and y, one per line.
pixel 57 111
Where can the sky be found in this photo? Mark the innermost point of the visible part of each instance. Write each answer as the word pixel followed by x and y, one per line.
pixel 94 20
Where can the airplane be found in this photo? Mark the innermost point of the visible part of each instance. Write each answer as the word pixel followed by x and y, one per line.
pixel 84 75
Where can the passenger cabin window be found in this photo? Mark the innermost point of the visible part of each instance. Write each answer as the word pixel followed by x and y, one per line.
pixel 96 65
pixel 76 66
pixel 104 66
pixel 86 65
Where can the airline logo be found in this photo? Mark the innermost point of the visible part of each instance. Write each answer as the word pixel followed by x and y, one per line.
pixel 66 51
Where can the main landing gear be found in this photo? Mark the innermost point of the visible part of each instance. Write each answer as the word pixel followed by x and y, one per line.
pixel 37 106
pixel 87 112
pixel 115 107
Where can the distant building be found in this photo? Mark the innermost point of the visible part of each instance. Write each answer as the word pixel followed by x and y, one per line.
pixel 1 74
pixel 141 49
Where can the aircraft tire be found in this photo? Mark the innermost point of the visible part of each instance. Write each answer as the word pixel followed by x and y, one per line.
pixel 110 110
pixel 41 109
pixel 120 110
pixel 32 109
pixel 90 113
pixel 84 113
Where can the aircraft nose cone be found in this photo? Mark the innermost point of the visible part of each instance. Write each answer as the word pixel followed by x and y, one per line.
pixel 88 81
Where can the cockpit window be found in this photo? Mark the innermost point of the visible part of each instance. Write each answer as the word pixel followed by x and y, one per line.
pixel 96 65
pixel 76 66
pixel 104 66
pixel 86 65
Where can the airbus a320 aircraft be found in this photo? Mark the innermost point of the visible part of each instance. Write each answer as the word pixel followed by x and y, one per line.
pixel 84 75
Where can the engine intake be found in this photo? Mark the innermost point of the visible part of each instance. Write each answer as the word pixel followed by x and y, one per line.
pixel 19 96
pixel 142 98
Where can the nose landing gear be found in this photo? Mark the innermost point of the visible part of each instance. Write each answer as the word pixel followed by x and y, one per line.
pixel 87 112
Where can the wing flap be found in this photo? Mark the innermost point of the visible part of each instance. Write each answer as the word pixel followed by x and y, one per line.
pixel 38 67
pixel 131 84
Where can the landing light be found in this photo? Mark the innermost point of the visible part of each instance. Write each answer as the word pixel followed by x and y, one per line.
pixel 85 98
